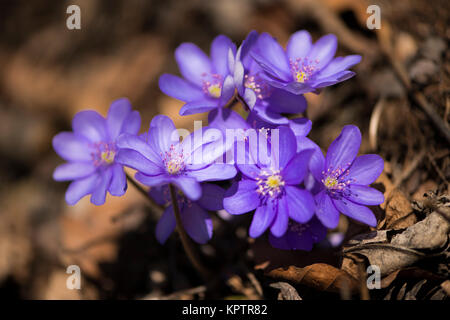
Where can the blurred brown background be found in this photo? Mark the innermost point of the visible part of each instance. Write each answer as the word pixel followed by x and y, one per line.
pixel 48 73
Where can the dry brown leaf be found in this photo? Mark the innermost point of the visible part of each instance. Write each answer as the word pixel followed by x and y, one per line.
pixel 349 262
pixel 446 286
pixel 403 249
pixel 423 189
pixel 408 273
pixel 287 292
pixel 320 276
pixel 386 281
pixel 386 256
pixel 399 213
pixel 386 183
pixel 430 233
pixel 350 265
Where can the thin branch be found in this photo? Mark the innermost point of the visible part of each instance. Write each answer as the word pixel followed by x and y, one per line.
pixel 185 240
pixel 374 123
pixel 435 166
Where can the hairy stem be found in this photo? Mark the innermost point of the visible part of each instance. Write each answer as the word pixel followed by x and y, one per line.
pixel 185 240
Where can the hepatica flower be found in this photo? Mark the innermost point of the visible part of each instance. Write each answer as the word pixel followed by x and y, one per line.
pixel 194 216
pixel 90 151
pixel 271 187
pixel 345 178
pixel 300 236
pixel 300 126
pixel 225 119
pixel 267 101
pixel 162 159
pixel 303 66
pixel 207 83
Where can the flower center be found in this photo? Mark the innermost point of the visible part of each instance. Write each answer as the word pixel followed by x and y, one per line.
pixel 303 69
pixel 104 153
pixel 215 90
pixel 270 183
pixel 212 85
pixel 174 160
pixel 331 182
pixel 274 182
pixel 336 181
pixel 254 82
pixel 300 76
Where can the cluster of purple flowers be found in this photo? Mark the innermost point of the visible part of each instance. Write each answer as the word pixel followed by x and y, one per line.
pixel 273 170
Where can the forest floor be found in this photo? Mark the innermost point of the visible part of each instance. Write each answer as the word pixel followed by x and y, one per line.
pixel 399 99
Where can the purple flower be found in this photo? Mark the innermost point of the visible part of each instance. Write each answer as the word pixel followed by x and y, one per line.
pixel 194 216
pixel 271 187
pixel 300 126
pixel 162 158
pixel 304 143
pixel 266 101
pixel 207 83
pixel 224 119
pixel 300 236
pixel 90 151
pixel 304 66
pixel 244 131
pixel 344 179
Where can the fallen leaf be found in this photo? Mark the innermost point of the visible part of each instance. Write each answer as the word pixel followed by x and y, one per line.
pixel 399 213
pixel 424 187
pixel 430 233
pixel 403 249
pixel 287 292
pixel 408 274
pixel 320 276
pixel 446 286
pixel 349 261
